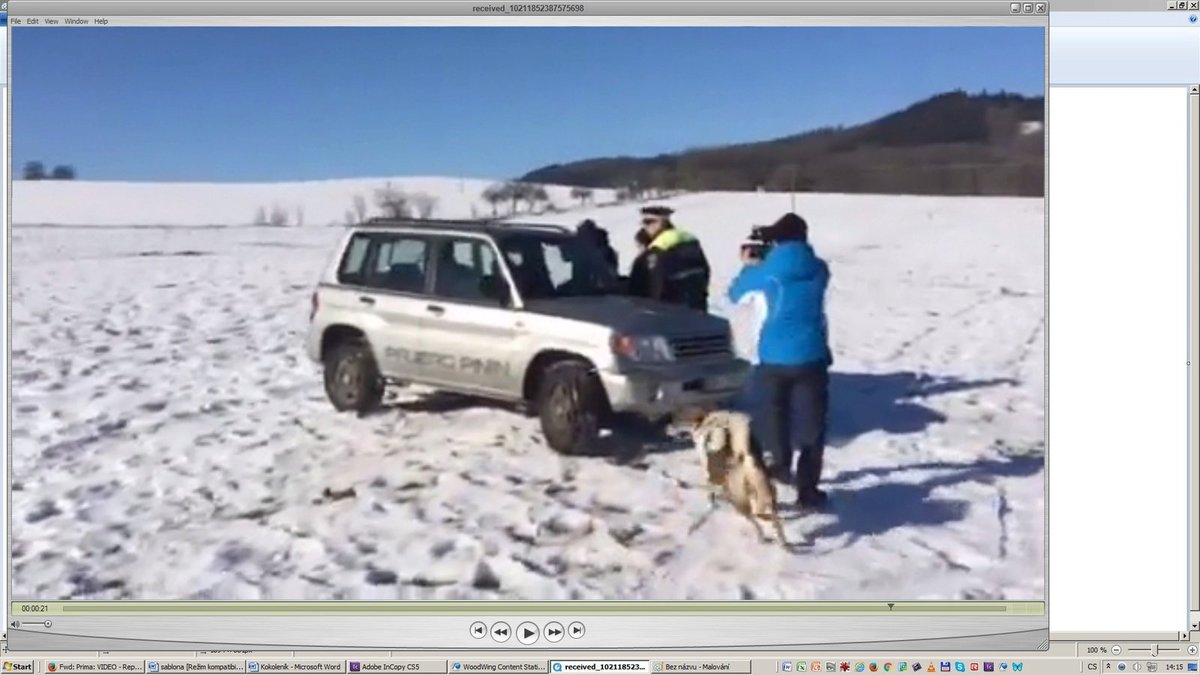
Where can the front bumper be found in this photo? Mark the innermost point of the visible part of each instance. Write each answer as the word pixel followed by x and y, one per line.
pixel 662 390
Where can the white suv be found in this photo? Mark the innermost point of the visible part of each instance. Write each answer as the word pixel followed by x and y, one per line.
pixel 527 314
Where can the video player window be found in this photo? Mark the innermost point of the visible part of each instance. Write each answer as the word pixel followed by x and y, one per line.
pixel 171 439
pixel 155 424
pixel 776 352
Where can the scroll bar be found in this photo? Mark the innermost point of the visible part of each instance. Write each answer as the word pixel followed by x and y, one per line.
pixel 5 260
pixel 1193 355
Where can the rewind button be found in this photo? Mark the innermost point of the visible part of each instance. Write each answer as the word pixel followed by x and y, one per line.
pixel 500 632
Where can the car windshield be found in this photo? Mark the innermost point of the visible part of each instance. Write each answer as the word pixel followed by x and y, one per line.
pixel 548 265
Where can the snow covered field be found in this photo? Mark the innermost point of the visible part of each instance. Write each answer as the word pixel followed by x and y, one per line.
pixel 170 440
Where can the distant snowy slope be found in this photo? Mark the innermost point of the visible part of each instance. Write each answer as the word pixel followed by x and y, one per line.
pixel 195 204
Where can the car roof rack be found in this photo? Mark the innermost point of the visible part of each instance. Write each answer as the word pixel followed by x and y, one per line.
pixel 475 225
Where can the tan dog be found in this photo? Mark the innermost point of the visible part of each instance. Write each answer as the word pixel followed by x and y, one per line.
pixel 723 438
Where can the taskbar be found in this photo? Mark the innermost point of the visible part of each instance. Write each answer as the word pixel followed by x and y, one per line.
pixel 1181 660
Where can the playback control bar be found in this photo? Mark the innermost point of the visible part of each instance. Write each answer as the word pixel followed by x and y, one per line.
pixel 528 632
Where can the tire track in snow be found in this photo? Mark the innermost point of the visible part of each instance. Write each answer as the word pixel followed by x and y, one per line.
pixel 929 331
pixel 1027 348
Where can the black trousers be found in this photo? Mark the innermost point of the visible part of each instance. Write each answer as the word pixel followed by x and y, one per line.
pixel 796 401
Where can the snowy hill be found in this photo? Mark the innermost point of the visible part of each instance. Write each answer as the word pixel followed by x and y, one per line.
pixel 952 143
pixel 230 204
pixel 170 440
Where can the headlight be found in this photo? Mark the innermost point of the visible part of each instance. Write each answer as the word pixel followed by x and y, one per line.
pixel 646 348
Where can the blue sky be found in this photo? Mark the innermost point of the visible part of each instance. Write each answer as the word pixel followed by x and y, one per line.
pixel 268 104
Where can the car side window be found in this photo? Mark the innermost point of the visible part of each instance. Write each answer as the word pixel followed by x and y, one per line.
pixel 353 269
pixel 400 263
pixel 562 270
pixel 467 270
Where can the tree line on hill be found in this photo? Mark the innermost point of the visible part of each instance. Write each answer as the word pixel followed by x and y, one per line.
pixel 516 196
pixel 514 193
pixel 37 171
pixel 951 144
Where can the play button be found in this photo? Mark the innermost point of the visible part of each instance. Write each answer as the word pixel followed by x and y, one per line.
pixel 527 633
pixel 553 631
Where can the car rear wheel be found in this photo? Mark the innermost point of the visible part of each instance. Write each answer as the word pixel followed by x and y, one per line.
pixel 352 380
pixel 571 406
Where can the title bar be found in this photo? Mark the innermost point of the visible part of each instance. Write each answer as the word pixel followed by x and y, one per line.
pixel 39 8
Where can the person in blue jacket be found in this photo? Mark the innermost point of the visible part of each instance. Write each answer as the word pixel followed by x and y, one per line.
pixel 793 352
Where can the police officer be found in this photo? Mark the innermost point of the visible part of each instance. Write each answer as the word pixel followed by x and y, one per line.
pixel 677 270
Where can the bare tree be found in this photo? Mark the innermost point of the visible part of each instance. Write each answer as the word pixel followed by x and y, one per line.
pixel 299 219
pixel 535 195
pixel 583 194
pixel 424 203
pixel 509 193
pixel 494 195
pixel 34 171
pixel 278 217
pixel 351 218
pixel 393 202
pixel 63 172
pixel 360 207
pixel 260 217
pixel 516 193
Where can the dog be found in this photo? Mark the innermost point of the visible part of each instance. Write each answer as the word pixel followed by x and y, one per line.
pixel 724 442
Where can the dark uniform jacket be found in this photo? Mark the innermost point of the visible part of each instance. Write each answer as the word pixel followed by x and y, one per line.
pixel 638 281
pixel 608 252
pixel 675 270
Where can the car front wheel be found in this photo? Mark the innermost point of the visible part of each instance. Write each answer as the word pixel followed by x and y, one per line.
pixel 571 406
pixel 352 380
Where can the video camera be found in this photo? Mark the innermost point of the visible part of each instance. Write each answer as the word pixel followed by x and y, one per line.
pixel 758 244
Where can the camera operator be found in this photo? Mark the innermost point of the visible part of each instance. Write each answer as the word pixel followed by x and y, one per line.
pixel 746 318
pixel 748 313
pixel 792 349
pixel 755 247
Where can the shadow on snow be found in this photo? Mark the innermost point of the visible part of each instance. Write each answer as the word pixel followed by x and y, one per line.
pixel 860 403
pixel 899 503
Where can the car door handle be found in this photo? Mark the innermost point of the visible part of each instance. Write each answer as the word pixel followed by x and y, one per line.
pixel 366 299
pixel 435 309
